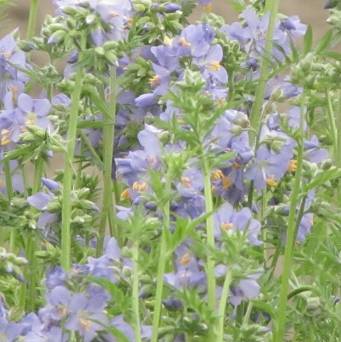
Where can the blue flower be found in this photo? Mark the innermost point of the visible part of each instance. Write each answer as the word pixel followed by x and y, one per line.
pixel 227 220
pixel 188 271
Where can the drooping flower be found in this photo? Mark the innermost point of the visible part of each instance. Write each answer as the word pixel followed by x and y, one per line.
pixel 246 289
pixel 104 265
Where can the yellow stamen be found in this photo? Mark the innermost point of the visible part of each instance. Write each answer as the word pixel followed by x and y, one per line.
pixel 140 186
pixel 227 182
pixel 236 165
pixel 214 66
pixel 186 182
pixel 125 195
pixel 271 182
pixel 6 55
pixel 167 41
pixel 208 8
pixel 292 166
pixel 226 226
pixel 15 91
pixel 217 175
pixel 31 119
pixel 130 22
pixel 184 42
pixel 155 81
pixel 62 311
pixel 4 137
pixel 85 324
pixel 185 259
pixel 114 14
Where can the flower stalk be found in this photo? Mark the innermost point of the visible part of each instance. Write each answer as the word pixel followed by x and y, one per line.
pixel 108 214
pixel 135 292
pixel 161 265
pixel 272 6
pixel 32 19
pixel 332 125
pixel 68 172
pixel 222 305
pixel 291 235
pixel 9 189
pixel 210 235
pixel 29 293
pixel 338 144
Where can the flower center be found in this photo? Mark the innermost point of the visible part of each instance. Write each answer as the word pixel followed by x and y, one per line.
pixel 4 137
pixel 140 186
pixel 155 81
pixel 184 42
pixel 185 259
pixel 31 119
pixel 217 175
pixel 85 323
pixel 271 182
pixel 292 166
pixel 125 195
pixel 227 182
pixel 214 66
pixel 186 182
pixel 208 8
pixel 226 226
pixel 168 41
pixel 62 311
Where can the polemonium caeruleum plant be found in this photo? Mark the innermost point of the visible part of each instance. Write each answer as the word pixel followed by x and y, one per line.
pixel 199 194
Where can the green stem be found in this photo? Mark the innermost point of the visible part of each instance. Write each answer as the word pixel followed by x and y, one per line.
pixel 332 124
pixel 68 172
pixel 31 271
pixel 9 189
pixel 247 314
pixel 161 266
pixel 32 20
pixel 135 294
pixel 222 305
pixel 256 116
pixel 288 255
pixel 8 179
pixel 338 154
pixel 96 159
pixel 108 154
pixel 211 281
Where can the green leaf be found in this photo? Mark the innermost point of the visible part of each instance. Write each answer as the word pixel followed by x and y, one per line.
pixel 332 54
pixel 117 333
pixel 322 178
pixel 324 42
pixel 308 40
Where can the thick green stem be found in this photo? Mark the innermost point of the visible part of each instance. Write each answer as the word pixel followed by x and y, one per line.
pixel 30 248
pixel 161 266
pixel 256 116
pixel 135 294
pixel 108 213
pixel 211 281
pixel 68 172
pixel 288 255
pixel 222 305
pixel 32 20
